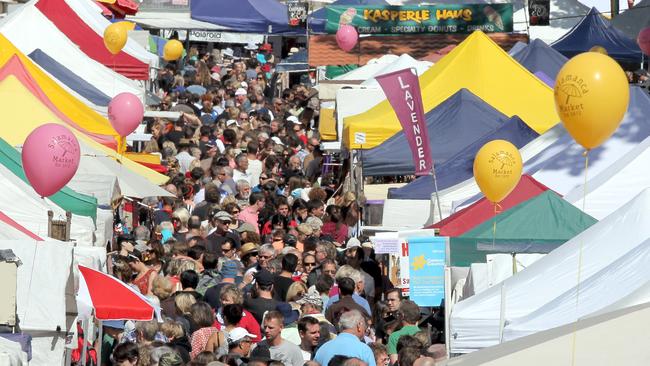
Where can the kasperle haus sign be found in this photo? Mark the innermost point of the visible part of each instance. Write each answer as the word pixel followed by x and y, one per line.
pixel 458 18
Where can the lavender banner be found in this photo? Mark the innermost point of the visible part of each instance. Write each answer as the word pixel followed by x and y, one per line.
pixel 402 89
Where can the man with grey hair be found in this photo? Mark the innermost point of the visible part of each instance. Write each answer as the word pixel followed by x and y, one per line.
pixel 243 192
pixel 241 162
pixel 224 178
pixel 350 272
pixel 266 254
pixel 352 327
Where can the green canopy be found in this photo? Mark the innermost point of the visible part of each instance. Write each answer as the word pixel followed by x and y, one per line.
pixel 537 225
pixel 66 198
pixel 333 71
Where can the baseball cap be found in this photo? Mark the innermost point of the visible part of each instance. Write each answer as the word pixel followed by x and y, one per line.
pixel 246 227
pixel 222 216
pixel 241 91
pixel 293 119
pixel 277 140
pixel 231 122
pixel 264 278
pixel 229 269
pixel 353 243
pixel 244 85
pixel 238 334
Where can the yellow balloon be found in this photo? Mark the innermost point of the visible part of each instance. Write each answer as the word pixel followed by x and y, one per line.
pixel 599 49
pixel 128 26
pixel 591 97
pixel 497 169
pixel 115 36
pixel 173 50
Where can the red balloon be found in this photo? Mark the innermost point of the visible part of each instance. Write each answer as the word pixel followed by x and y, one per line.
pixel 347 37
pixel 643 39
pixel 50 158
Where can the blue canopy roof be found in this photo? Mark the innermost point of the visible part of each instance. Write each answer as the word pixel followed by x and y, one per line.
pixel 454 124
pixel 594 30
pixel 461 166
pixel 69 78
pixel 317 19
pixel 538 56
pixel 246 16
pixel 295 62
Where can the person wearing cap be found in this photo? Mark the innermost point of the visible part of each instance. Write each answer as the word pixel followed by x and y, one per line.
pixel 281 349
pixel 249 254
pixel 264 300
pixel 239 343
pixel 113 330
pixel 304 231
pixel 241 99
pixel 221 221
pixel 228 274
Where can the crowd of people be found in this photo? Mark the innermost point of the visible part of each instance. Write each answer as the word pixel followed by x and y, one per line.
pixel 254 259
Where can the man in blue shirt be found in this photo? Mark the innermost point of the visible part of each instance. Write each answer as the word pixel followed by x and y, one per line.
pixel 353 327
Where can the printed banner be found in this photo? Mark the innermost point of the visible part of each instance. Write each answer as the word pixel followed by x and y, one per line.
pixel 402 90
pixel 427 258
pixel 297 10
pixel 539 11
pixel 453 18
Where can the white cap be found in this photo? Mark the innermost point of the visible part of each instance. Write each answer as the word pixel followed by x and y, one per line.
pixel 293 119
pixel 244 85
pixel 238 334
pixel 215 76
pixel 241 91
pixel 231 122
pixel 277 140
pixel 353 243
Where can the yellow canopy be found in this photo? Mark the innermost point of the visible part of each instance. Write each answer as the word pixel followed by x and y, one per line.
pixel 327 125
pixel 20 106
pixel 479 65
pixel 67 104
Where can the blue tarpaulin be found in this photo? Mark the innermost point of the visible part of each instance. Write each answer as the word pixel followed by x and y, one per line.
pixel 69 78
pixel 246 16
pixel 538 56
pixel 454 124
pixel 317 19
pixel 460 167
pixel 594 30
pixel 295 62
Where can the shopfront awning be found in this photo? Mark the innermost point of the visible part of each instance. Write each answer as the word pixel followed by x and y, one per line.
pixel 157 20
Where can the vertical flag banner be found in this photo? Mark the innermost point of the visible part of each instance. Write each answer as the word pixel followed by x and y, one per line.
pixel 402 89
pixel 427 258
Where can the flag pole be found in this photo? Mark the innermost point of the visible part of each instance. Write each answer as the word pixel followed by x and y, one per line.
pixel 435 187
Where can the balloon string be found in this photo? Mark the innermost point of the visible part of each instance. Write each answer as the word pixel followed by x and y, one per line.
pixel 575 325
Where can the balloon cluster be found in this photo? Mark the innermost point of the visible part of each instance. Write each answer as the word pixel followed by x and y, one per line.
pixel 591 97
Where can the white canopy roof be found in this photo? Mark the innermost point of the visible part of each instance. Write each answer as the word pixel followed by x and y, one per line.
pixel 608 247
pixel 369 69
pixel 20 202
pixel 28 29
pixel 41 283
pixel 618 337
pixel 405 61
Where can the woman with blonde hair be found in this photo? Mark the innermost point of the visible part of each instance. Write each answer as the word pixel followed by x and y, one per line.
pixel 183 303
pixel 296 291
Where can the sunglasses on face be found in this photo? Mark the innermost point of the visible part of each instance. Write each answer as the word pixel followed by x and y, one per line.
pixel 265 257
pixel 310 264
pixel 226 250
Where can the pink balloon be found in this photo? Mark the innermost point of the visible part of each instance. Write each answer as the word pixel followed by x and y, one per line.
pixel 347 37
pixel 643 39
pixel 125 112
pixel 50 158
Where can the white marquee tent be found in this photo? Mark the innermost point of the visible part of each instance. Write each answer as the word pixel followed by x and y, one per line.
pixel 608 247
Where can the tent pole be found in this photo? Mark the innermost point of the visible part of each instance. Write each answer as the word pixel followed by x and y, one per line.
pixel 502 315
pixel 84 351
pixel 435 187
pixel 100 342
